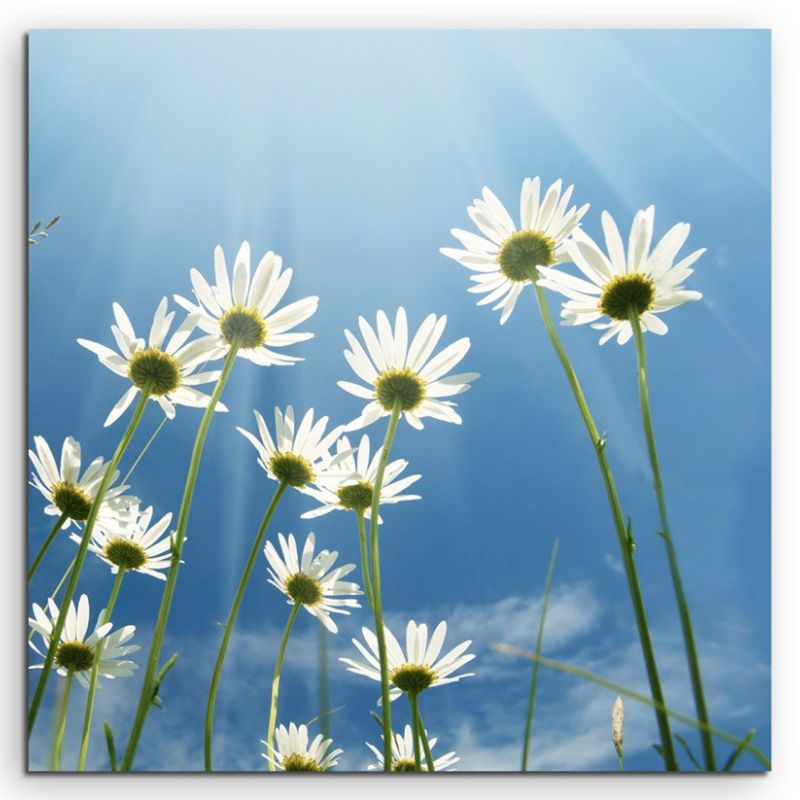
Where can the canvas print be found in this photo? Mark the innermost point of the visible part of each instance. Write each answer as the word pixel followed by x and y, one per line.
pixel 399 401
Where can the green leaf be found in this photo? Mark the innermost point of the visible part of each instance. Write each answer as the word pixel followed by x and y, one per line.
pixel 689 753
pixel 739 750
pixel 35 228
pixel 112 750
pixel 53 221
pixel 162 673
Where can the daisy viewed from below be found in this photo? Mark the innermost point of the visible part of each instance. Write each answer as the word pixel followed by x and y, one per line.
pixel 76 651
pixel 618 284
pixel 403 754
pixel 167 372
pixel 310 580
pixel 135 546
pixel 419 667
pixel 295 754
pixel 295 457
pixel 505 259
pixel 396 372
pixel 353 491
pixel 67 491
pixel 244 311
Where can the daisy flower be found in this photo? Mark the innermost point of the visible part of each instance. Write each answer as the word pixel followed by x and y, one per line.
pixel 136 546
pixel 294 754
pixel 168 372
pixel 403 754
pixel 297 458
pixel 310 581
pixel 244 311
pixel 67 491
pixel 353 491
pixel 505 259
pixel 395 371
pixel 419 667
pixel 619 284
pixel 76 652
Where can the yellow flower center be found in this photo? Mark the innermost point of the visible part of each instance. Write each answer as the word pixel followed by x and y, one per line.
pixel 403 384
pixel 303 589
pixel 634 291
pixel 243 326
pixel 523 252
pixel 412 678
pixel 125 553
pixel 292 469
pixel 155 370
pixel 71 500
pixel 356 496
pixel 75 656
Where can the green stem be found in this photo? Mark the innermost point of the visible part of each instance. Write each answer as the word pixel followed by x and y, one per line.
pixel 377 606
pixel 146 696
pixel 61 724
pixel 55 636
pixel 414 701
pixel 276 681
pixel 362 539
pixel 548 585
pixel 425 746
pixel 621 762
pixel 46 546
pixel 672 558
pixel 324 684
pixel 624 539
pixel 144 450
pixel 87 717
pixel 231 621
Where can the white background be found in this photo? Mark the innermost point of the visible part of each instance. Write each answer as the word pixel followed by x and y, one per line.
pixel 16 19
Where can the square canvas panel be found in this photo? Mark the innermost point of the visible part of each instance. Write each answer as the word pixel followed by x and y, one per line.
pixel 270 528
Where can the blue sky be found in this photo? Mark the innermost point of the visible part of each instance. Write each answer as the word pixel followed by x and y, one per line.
pixel 352 154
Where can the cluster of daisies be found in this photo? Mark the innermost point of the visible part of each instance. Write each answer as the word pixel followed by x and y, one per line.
pixel 305 453
pixel 239 315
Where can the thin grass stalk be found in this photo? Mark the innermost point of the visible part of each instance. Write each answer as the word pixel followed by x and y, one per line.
pixel 276 682
pixel 666 534
pixel 46 546
pixel 61 724
pixel 144 450
pixel 624 539
pixel 258 543
pixel 146 696
pixel 548 585
pixel 69 592
pixel 377 606
pixel 512 650
pixel 87 717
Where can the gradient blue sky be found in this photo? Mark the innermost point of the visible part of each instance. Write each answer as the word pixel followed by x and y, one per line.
pixel 352 154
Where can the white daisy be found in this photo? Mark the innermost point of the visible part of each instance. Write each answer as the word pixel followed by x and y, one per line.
pixel 394 370
pixel 169 372
pixel 294 754
pixel 298 458
pixel 403 754
pixel 67 491
pixel 137 546
pixel 647 283
pixel 507 259
pixel 76 651
pixel 354 490
pixel 244 311
pixel 309 580
pixel 419 667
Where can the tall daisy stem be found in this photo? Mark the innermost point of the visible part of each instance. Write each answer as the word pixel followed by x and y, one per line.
pixel 276 682
pixel 672 558
pixel 362 540
pixel 144 450
pixel 324 683
pixel 377 605
pixel 414 701
pixel 61 724
pixel 426 748
pixel 625 540
pixel 46 545
pixel 55 636
pixel 87 717
pixel 146 696
pixel 258 543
